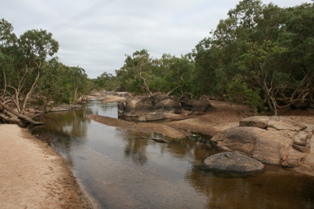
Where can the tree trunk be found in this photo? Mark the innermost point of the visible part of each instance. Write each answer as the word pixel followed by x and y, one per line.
pixel 271 101
pixel 8 115
pixel 145 84
pixel 30 92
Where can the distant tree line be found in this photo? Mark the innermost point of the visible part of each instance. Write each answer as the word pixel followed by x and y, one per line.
pixel 261 56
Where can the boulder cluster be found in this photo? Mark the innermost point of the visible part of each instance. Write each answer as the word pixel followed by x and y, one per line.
pixel 156 106
pixel 270 140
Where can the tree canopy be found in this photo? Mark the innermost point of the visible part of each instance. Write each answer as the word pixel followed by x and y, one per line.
pixel 28 67
pixel 260 53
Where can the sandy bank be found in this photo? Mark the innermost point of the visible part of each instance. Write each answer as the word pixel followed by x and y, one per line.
pixel 33 175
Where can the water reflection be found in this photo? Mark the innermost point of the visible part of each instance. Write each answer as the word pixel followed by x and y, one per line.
pixel 135 150
pixel 122 169
pixel 276 189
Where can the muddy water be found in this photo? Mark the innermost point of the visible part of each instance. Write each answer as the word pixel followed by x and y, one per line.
pixel 123 169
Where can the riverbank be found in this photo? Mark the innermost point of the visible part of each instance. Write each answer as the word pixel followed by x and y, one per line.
pixel 33 175
pixel 223 117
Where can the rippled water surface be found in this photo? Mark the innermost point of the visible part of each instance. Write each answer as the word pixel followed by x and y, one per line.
pixel 122 169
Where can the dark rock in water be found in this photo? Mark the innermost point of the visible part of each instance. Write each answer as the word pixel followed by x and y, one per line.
pixel 234 162
pixel 159 140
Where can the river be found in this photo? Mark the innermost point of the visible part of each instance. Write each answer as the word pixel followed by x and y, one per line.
pixel 122 169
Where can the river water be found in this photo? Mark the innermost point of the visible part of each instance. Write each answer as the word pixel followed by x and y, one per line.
pixel 122 169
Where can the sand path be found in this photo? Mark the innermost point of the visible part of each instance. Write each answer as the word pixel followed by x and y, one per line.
pixel 33 175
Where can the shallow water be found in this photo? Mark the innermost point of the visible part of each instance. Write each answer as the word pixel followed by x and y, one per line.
pixel 122 169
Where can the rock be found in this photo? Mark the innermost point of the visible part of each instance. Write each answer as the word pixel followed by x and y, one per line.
pixel 158 97
pixel 196 105
pixel 272 148
pixel 301 141
pixel 302 138
pixel 118 89
pixel 241 139
pixel 168 105
pixel 232 162
pixel 255 121
pixel 141 106
pixel 151 117
pixel 281 123
pixel 271 140
pixel 267 147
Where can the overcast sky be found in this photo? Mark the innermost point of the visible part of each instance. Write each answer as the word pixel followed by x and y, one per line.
pixel 97 34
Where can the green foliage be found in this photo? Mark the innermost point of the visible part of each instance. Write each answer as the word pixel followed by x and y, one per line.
pixel 239 92
pixel 143 74
pixel 61 83
pixel 105 81
pixel 268 47
pixel 259 55
pixel 263 54
pixel 28 66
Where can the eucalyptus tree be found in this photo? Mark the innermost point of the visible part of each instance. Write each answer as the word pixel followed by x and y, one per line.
pixel 298 36
pixel 61 83
pixel 106 81
pixel 22 62
pixel 137 69
pixel 174 74
pixel 143 74
pixel 263 48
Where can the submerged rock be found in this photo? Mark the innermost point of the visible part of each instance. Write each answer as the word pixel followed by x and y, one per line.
pixel 234 162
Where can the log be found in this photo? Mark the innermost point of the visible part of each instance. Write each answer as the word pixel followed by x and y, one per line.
pixel 10 116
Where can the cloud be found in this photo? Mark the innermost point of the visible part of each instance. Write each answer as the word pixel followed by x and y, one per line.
pixel 97 34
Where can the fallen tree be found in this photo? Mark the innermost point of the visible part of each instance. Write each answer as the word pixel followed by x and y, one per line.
pixel 8 115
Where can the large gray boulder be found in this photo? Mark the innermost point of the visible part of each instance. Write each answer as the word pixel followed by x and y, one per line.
pixel 271 140
pixel 234 162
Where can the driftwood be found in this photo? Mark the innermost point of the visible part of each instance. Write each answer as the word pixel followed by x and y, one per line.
pixel 8 115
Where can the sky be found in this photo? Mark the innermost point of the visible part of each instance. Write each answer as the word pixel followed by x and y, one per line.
pixel 98 34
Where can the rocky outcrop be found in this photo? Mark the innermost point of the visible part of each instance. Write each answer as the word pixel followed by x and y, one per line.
pixel 234 162
pixel 271 140
pixel 149 108
pixel 160 106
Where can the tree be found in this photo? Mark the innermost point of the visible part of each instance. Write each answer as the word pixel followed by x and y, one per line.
pixel 260 64
pixel 143 74
pixel 61 83
pixel 239 92
pixel 176 76
pixel 22 61
pixel 135 72
pixel 264 46
pixel 106 81
pixel 298 36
